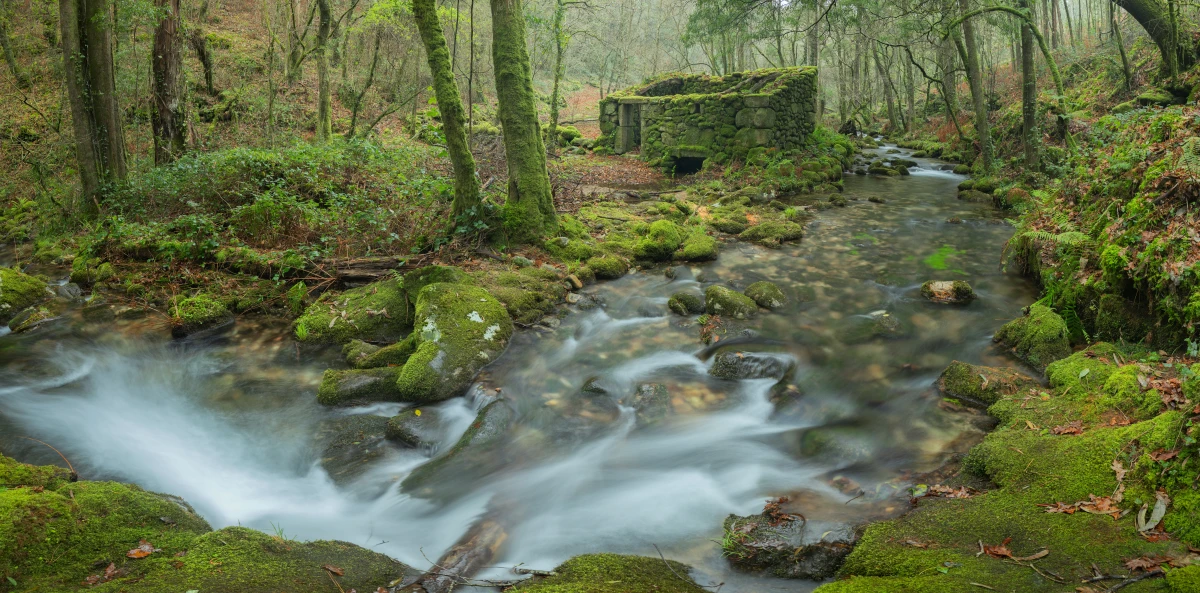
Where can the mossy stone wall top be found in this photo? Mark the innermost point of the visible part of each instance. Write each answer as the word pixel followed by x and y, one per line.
pixel 705 117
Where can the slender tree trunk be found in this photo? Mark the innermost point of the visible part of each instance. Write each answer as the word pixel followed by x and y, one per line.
pixel 466 184
pixel 1029 130
pixel 358 99
pixel 893 116
pixel 200 45
pixel 910 98
pixel 91 90
pixel 167 65
pixel 1116 31
pixel 324 100
pixel 530 206
pixel 10 56
pixel 560 43
pixel 1070 27
pixel 975 81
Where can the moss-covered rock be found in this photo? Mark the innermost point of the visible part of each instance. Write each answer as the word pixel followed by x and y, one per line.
pixel 772 233
pixel 982 386
pixel 1091 367
pixel 686 303
pixel 612 573
pixel 947 291
pixel 660 241
pixel 356 351
pixel 475 450
pixel 863 328
pixel 350 444
pixel 529 294
pixel 18 291
pixel 719 300
pixel 459 329
pixel 1157 97
pixel 14 473
pixel 198 313
pixel 356 386
pixel 1118 319
pixel 608 267
pixel 734 365
pixel 786 547
pixel 766 294
pixel 1039 338
pixel 699 246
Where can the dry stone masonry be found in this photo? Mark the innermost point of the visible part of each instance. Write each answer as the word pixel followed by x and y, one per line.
pixel 681 120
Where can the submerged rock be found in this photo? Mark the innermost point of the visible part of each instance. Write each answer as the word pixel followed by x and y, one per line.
pixel 19 291
pixel 686 303
pixel 981 386
pixel 719 300
pixel 734 365
pixel 475 450
pixel 1039 338
pixel 767 295
pixel 198 313
pixel 651 402
pixel 863 328
pixel 786 546
pixel 414 428
pixel 947 291
pixel 351 443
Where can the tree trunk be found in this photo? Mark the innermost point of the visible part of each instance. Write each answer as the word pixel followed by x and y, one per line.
pixel 167 65
pixel 1070 26
pixel 1029 131
pixel 529 210
pixel 91 90
pixel 893 117
pixel 560 43
pixel 978 97
pixel 466 184
pixel 324 101
pixel 1112 16
pixel 9 55
pixel 1155 18
pixel 358 99
pixel 200 46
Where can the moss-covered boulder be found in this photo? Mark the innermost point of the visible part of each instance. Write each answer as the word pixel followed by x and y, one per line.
pixel 414 428
pixel 1091 366
pixel 858 329
pixel 608 267
pixel 947 291
pixel 1039 338
pixel 699 246
pixel 982 386
pixel 686 303
pixel 613 573
pixel 198 313
pixel 357 386
pixel 528 294
pixel 767 294
pixel 1158 97
pixel 734 364
pixel 459 330
pixel 14 473
pixel 350 444
pixel 660 241
pixel 726 302
pixel 18 291
pixel 772 233
pixel 475 451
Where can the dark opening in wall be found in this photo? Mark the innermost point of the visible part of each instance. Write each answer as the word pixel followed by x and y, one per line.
pixel 686 165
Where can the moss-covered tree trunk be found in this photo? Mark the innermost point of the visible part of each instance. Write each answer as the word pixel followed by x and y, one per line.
pixel 1029 132
pixel 466 184
pixel 1156 18
pixel 560 47
pixel 1112 19
pixel 529 211
pixel 6 44
pixel 91 89
pixel 167 66
pixel 324 100
pixel 975 81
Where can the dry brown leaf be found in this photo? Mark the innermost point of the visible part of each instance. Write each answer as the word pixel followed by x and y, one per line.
pixel 1100 505
pixel 1000 551
pixel 1119 470
pixel 949 492
pixel 144 549
pixel 333 569
pixel 916 544
pixel 1143 563
pixel 1162 455
pixel 1060 507
pixel 1074 427
pixel 1042 553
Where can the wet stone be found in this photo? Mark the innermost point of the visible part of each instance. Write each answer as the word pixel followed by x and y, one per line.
pixel 731 364
pixel 947 291
pixel 351 444
pixel 416 428
pixel 787 546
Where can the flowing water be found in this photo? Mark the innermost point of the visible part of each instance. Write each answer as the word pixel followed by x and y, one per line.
pixel 231 424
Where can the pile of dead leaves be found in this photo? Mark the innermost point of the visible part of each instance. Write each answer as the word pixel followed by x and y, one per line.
pixel 942 491
pixel 1096 505
pixel 774 513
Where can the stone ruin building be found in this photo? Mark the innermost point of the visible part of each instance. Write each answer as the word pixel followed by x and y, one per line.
pixel 680 120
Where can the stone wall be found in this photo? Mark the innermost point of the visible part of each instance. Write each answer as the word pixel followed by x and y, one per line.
pixel 683 116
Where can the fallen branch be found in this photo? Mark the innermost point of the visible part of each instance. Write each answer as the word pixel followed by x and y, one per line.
pixel 1158 572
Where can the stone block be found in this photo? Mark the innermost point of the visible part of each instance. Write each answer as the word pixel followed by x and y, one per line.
pixel 763 118
pixel 757 100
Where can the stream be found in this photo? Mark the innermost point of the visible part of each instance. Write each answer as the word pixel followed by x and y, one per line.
pixel 231 424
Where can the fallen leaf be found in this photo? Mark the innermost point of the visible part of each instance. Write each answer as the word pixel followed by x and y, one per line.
pixel 1060 507
pixel 1161 455
pixel 144 549
pixel 333 569
pixel 1119 470
pixel 1042 553
pixel 1031 425
pixel 915 544
pixel 1100 505
pixel 1074 427
pixel 1000 551
pixel 1143 563
pixel 949 492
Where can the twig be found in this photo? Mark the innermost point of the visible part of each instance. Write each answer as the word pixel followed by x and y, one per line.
pixel 982 585
pixel 533 571
pixel 1049 577
pixel 74 473
pixel 860 494
pixel 672 569
pixel 1158 572
pixel 335 583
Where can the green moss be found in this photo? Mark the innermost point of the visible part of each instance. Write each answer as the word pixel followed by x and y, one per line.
pixel 1092 366
pixel 1039 338
pixel 528 294
pixel 982 386
pixel 569 249
pixel 938 259
pixel 14 473
pixel 458 330
pixel 943 291
pixel 357 314
pixel 719 300
pixel 766 294
pixel 686 303
pixel 1122 391
pixel 608 267
pixel 1183 580
pixel 612 573
pixel 772 233
pixel 660 241
pixel 18 291
pixel 195 313
pixel 699 246
pixel 1118 319
pixel 354 386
